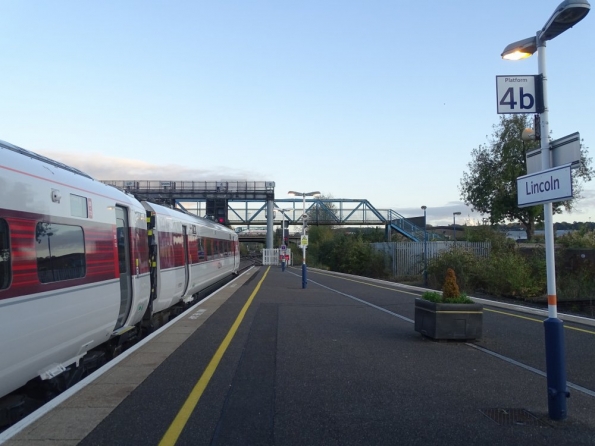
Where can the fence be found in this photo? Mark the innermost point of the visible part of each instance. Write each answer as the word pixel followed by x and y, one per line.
pixel 271 257
pixel 407 258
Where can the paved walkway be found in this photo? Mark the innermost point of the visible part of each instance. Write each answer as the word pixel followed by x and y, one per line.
pixel 337 363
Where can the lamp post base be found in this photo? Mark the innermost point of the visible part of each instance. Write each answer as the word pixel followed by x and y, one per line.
pixel 557 391
pixel 304 280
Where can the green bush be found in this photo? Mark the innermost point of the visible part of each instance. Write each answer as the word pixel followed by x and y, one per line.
pixel 462 261
pixel 348 254
pixel 436 297
pixel 510 274
pixel 498 240
pixel 576 285
pixel 506 272
pixel 582 238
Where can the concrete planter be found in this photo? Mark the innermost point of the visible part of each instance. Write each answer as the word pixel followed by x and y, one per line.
pixel 448 321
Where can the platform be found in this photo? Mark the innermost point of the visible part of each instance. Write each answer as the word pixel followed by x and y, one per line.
pixel 337 363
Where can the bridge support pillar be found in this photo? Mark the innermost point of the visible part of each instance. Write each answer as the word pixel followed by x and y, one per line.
pixel 270 211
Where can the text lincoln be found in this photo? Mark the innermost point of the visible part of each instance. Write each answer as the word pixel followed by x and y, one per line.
pixel 542 186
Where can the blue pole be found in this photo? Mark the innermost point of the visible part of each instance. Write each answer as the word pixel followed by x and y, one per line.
pixel 304 281
pixel 555 355
pixel 425 250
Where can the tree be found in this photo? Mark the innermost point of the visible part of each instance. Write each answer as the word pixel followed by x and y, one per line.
pixel 490 187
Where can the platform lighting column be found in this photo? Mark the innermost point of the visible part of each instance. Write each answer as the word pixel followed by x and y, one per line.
pixel 283 264
pixel 567 14
pixel 454 228
pixel 425 247
pixel 304 194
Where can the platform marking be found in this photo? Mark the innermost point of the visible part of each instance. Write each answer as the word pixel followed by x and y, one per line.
pixel 369 284
pixel 567 327
pixel 176 427
pixel 529 368
pixel 196 315
pixel 497 355
pixel 360 300
pixel 564 317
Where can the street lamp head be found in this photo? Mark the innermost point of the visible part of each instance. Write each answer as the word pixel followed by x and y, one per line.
pixel 304 194
pixel 520 49
pixel 567 14
pixel 528 135
pixel 456 213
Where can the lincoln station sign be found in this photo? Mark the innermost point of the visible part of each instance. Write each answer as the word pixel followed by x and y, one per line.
pixel 545 186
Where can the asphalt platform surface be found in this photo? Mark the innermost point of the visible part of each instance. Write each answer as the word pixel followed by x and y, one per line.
pixel 337 363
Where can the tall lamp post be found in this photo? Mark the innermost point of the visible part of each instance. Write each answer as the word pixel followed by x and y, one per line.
pixel 425 247
pixel 283 243
pixel 304 195
pixel 567 14
pixel 454 227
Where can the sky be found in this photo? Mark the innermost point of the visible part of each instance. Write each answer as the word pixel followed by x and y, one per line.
pixel 379 100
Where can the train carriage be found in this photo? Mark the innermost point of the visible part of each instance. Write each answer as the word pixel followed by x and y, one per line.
pixel 76 270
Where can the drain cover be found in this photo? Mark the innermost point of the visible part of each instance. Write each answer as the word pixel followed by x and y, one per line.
pixel 513 417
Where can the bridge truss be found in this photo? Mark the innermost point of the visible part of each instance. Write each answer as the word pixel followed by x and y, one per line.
pixel 320 212
pixel 247 204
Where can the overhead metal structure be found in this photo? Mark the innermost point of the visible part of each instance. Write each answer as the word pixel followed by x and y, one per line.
pixel 247 204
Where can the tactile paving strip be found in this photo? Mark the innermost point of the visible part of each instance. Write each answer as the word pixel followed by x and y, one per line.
pixel 513 417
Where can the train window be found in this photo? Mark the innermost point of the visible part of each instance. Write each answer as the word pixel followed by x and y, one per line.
pixel 78 206
pixel 201 250
pixel 60 252
pixel 5 275
pixel 209 246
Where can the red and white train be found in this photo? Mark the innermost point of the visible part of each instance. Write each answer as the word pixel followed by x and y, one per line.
pixel 85 266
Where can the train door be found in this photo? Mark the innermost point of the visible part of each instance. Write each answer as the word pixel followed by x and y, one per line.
pixel 186 257
pixel 122 231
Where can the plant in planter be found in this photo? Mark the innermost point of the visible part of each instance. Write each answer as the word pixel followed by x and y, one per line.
pixel 450 315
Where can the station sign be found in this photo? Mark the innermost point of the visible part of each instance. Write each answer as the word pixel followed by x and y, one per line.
pixel 545 186
pixel 519 94
pixel 566 150
pixel 304 240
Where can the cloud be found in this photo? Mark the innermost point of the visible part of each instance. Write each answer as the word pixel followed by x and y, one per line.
pixel 104 167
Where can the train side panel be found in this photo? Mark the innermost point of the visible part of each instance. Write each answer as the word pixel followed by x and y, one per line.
pixel 62 296
pixel 187 262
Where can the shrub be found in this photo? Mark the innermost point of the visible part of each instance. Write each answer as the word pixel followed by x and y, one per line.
pixel 511 274
pixel 450 292
pixel 462 261
pixel 450 289
pixel 498 240
pixel 582 238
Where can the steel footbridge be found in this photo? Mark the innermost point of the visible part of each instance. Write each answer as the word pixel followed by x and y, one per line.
pixel 248 204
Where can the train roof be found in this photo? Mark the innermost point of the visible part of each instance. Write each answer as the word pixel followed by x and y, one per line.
pixel 44 159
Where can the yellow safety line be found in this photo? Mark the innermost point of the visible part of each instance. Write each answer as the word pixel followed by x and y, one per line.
pixel 417 294
pixel 368 283
pixel 539 320
pixel 176 427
